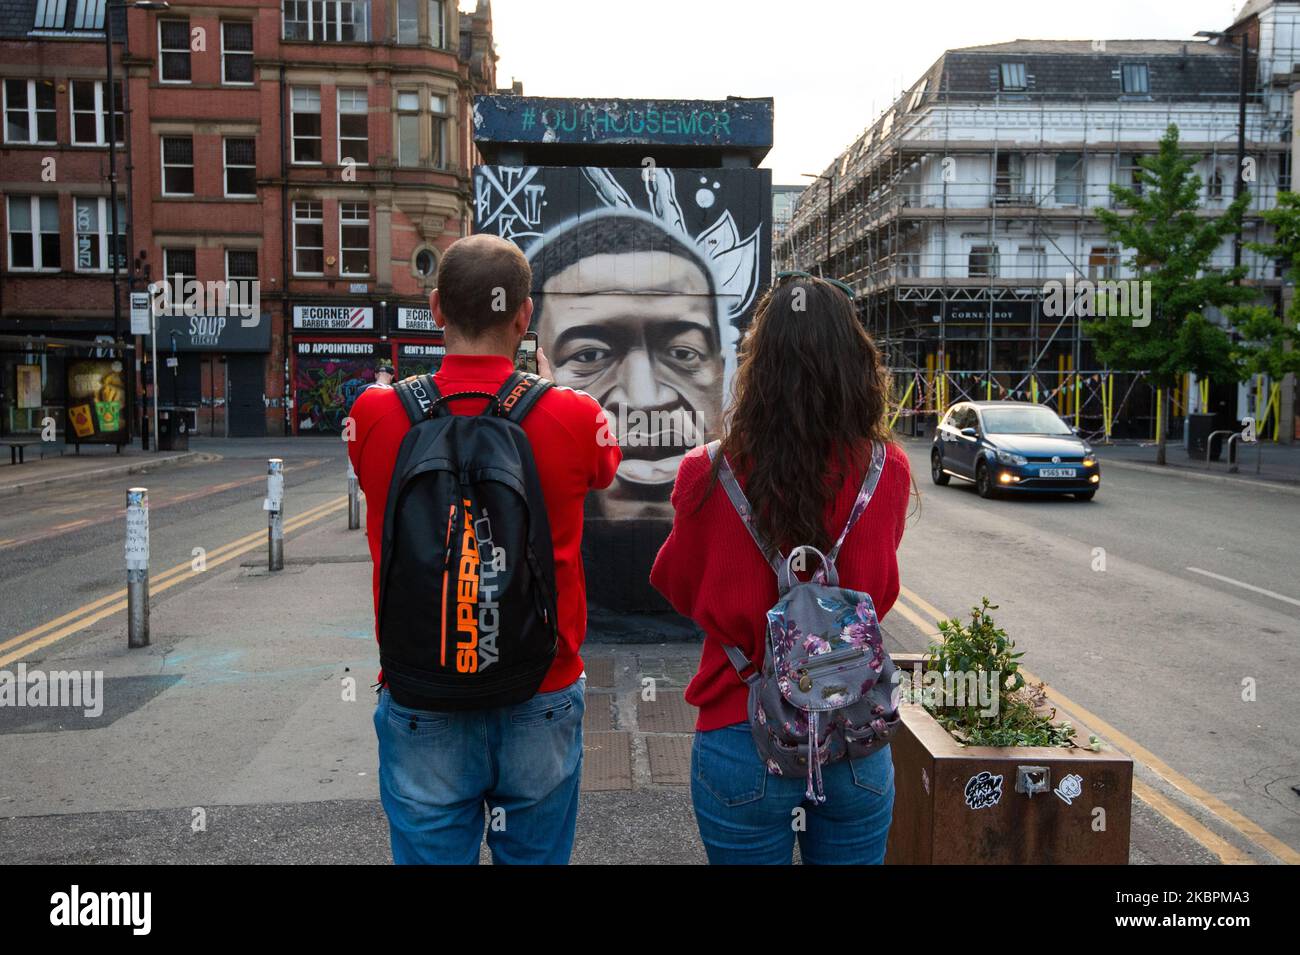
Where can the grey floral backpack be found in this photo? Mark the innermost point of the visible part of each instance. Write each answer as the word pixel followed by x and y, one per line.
pixel 827 689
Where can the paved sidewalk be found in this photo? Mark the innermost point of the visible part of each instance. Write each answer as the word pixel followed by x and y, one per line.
pixel 94 461
pixel 1276 463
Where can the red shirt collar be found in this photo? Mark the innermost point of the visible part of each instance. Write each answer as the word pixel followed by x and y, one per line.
pixel 487 367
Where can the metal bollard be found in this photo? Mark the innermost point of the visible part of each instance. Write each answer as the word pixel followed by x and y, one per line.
pixel 354 499
pixel 274 505
pixel 137 567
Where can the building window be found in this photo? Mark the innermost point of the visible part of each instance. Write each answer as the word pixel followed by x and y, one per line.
pixel 437 23
pixel 94 224
pixel 408 129
pixel 90 113
pixel 425 264
pixel 241 167
pixel 306 125
pixel 241 264
pixel 1069 179
pixel 983 262
pixel 327 21
pixel 236 52
pixel 1031 261
pixel 1103 262
pixel 34 234
pixel 439 126
pixel 178 165
pixel 1010 176
pixel 1214 189
pixel 76 15
pixel 1013 76
pixel 174 51
pixel 308 238
pixel 1130 171
pixel 30 112
pixel 408 21
pixel 1135 78
pixel 354 126
pixel 179 268
pixel 354 238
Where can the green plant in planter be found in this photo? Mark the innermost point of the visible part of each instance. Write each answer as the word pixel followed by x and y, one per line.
pixel 983 653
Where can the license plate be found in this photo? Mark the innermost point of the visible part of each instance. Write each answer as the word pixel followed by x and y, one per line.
pixel 1058 472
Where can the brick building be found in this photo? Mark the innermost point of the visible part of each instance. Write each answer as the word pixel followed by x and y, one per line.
pixel 321 148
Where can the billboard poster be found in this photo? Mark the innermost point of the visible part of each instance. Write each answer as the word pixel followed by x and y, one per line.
pixel 643 279
pixel 29 386
pixel 327 377
pixel 96 401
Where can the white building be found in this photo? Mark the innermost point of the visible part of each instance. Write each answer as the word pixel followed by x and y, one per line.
pixel 951 212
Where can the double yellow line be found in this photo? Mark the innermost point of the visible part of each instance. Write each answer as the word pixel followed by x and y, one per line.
pixel 76 620
pixel 1228 853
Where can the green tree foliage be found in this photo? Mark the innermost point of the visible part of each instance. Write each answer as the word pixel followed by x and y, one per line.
pixel 1171 245
pixel 1268 343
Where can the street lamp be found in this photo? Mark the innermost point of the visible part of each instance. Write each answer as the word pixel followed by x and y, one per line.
pixel 830 198
pixel 1241 120
pixel 112 139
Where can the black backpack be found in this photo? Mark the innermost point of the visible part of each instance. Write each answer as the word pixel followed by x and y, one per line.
pixel 467 574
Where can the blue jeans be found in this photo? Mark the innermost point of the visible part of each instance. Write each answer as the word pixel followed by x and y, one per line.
pixel 437 772
pixel 747 816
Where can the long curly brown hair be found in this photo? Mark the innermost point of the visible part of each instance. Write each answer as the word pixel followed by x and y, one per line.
pixel 811 394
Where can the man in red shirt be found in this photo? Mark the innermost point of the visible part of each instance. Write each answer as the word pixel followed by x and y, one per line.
pixel 438 770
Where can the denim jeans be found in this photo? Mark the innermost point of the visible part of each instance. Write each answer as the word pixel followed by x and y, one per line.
pixel 438 772
pixel 747 816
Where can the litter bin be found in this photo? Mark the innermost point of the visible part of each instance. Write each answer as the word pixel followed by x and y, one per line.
pixel 1196 431
pixel 174 429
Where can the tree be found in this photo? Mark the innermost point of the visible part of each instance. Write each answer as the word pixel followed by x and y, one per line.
pixel 1171 248
pixel 1268 344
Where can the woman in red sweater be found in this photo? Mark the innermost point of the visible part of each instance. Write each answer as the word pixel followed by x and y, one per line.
pixel 810 401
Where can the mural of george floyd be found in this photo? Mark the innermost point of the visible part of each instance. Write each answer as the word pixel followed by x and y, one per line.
pixel 644 277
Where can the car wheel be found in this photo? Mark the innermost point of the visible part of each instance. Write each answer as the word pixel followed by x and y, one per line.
pixel 984 481
pixel 1086 495
pixel 937 474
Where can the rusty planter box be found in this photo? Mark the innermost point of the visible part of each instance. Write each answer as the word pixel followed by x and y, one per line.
pixel 958 804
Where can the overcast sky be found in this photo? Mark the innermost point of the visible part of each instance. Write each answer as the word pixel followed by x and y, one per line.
pixel 831 65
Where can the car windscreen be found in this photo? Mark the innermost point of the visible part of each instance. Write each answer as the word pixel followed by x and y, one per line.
pixel 1032 420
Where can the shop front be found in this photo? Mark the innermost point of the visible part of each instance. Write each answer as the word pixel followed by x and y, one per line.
pixel 68 387
pixel 216 365
pixel 419 343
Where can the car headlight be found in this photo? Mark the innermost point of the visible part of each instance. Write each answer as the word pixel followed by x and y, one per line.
pixel 1089 461
pixel 1007 457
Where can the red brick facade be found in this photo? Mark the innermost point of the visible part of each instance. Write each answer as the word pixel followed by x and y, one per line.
pixel 385 74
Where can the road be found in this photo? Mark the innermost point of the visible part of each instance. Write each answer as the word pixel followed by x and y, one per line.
pixel 1167 610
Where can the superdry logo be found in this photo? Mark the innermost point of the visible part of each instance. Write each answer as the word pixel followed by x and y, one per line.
pixel 421 395
pixel 492 562
pixel 516 393
pixel 103 908
pixel 467 582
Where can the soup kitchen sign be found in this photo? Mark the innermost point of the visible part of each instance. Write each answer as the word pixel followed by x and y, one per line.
pixel 219 333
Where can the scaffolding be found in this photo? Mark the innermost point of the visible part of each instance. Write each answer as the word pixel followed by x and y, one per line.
pixel 926 200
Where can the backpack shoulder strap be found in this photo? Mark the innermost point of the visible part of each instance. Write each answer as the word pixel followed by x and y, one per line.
pixel 727 477
pixel 868 488
pixel 419 396
pixel 519 393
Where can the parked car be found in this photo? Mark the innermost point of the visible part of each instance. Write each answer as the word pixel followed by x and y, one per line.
pixel 1013 446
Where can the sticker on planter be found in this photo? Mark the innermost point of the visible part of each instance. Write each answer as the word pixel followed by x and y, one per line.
pixel 1070 788
pixel 983 790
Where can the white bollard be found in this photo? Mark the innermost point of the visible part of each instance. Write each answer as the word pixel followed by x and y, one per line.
pixel 137 567
pixel 354 499
pixel 274 505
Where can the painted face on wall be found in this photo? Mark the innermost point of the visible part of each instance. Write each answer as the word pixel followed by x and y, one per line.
pixel 638 331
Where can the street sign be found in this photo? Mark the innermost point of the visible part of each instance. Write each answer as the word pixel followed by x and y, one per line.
pixel 139 313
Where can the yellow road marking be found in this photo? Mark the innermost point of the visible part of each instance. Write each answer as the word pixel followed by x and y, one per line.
pixel 169 579
pixel 1248 829
pixel 1225 850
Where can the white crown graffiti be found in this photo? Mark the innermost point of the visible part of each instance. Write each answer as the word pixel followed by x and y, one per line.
pixel 734 261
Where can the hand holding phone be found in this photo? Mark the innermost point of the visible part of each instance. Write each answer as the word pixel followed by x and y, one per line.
pixel 526 356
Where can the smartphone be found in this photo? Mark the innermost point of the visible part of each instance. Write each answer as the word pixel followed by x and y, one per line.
pixel 526 357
